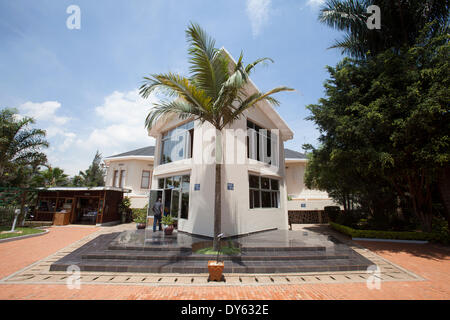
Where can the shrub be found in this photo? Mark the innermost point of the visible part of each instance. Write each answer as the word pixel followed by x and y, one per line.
pixel 140 216
pixel 396 235
pixel 168 220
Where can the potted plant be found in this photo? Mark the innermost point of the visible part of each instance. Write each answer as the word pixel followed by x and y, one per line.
pixel 168 221
pixel 215 268
pixel 124 208
pixel 140 217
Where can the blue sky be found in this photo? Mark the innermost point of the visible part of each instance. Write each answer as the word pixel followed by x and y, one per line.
pixel 81 85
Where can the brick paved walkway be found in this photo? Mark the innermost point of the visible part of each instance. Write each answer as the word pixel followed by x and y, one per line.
pixel 429 261
pixel 15 255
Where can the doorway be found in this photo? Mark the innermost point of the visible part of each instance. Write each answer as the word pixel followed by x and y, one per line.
pixel 86 210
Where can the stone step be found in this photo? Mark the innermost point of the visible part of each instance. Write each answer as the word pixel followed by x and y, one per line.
pixel 272 249
pixel 189 249
pixel 163 266
pixel 188 256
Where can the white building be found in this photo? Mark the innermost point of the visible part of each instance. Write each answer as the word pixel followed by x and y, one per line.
pixel 258 173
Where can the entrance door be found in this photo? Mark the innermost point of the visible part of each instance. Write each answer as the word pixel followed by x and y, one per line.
pixel 154 195
pixel 167 201
pixel 175 206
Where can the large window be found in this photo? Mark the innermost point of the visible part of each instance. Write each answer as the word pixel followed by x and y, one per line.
pixel 263 192
pixel 145 180
pixel 261 144
pixel 176 144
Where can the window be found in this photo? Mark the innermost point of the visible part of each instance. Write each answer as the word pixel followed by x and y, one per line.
pixel 180 186
pixel 145 180
pixel 260 143
pixel 115 178
pixel 263 192
pixel 177 144
pixel 122 178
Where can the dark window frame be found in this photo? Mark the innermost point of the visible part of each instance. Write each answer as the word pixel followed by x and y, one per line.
pixel 256 200
pixel 149 179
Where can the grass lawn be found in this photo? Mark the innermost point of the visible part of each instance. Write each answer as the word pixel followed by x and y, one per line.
pixel 225 250
pixel 17 232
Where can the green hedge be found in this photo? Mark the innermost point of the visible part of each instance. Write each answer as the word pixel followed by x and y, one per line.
pixel 396 235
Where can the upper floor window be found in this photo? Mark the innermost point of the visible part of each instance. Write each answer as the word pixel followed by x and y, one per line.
pixel 177 144
pixel 116 178
pixel 261 144
pixel 145 179
pixel 122 178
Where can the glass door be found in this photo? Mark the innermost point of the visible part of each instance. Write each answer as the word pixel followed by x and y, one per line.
pixel 175 205
pixel 154 195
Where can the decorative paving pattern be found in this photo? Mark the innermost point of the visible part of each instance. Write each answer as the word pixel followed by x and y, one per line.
pixel 39 273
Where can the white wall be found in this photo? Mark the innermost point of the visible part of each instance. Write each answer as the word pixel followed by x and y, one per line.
pixel 300 194
pixel 132 179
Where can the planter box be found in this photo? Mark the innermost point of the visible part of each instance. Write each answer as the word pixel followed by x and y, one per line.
pixel 215 270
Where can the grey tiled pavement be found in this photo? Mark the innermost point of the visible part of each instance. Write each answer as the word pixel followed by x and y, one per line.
pixel 334 244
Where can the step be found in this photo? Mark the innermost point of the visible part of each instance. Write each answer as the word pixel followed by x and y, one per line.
pixel 163 266
pixel 271 249
pixel 250 256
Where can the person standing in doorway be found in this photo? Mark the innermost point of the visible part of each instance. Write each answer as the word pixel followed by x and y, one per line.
pixel 157 214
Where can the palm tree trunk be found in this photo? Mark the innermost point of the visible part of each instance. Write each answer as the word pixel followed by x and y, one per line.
pixel 217 206
pixel 218 191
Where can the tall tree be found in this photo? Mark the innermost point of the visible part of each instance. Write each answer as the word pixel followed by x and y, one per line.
pixel 94 176
pixel 401 23
pixel 388 119
pixel 214 92
pixel 20 147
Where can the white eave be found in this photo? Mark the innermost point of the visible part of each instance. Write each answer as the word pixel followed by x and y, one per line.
pixel 109 159
pixel 126 190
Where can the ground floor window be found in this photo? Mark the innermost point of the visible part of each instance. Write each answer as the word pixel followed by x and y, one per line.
pixel 175 195
pixel 264 192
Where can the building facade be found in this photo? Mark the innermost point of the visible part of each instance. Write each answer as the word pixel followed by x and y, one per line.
pixel 258 174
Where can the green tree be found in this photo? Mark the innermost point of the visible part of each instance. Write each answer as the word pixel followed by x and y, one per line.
pixel 50 177
pixel 20 148
pixel 401 23
pixel 94 176
pixel 207 94
pixel 387 120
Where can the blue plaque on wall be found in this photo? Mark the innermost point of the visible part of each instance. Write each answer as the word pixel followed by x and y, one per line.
pixel 197 186
pixel 303 205
pixel 230 186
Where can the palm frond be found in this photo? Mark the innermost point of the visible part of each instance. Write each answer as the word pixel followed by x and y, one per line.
pixel 249 67
pixel 174 85
pixel 253 99
pixel 208 67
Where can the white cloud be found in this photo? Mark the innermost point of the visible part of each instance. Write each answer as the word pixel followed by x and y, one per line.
pixel 122 117
pixel 115 126
pixel 315 3
pixel 43 111
pixel 258 12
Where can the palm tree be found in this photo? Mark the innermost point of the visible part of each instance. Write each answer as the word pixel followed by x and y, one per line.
pixel 214 93
pixel 20 146
pixel 401 23
pixel 51 177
